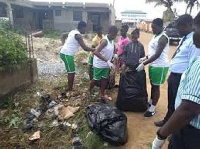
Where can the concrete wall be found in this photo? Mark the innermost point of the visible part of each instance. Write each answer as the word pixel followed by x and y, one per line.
pixel 65 22
pixel 28 21
pixel 112 15
pixel 105 22
pixel 11 80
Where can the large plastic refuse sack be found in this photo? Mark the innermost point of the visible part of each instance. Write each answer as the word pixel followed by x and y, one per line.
pixel 109 122
pixel 132 94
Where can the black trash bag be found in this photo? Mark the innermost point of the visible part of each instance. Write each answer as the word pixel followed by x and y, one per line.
pixel 109 122
pixel 132 94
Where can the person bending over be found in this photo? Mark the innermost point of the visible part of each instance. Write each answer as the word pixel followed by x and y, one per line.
pixel 70 48
pixel 102 61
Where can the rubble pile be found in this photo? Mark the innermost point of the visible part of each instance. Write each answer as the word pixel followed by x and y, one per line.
pixel 57 111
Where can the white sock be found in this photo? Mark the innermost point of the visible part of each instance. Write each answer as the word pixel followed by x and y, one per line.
pixel 152 108
pixel 150 102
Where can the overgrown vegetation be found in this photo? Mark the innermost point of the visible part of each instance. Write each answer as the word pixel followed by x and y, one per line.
pixel 12 47
pixel 52 34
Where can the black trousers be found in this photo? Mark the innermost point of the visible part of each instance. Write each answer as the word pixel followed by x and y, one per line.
pixel 173 84
pixel 186 138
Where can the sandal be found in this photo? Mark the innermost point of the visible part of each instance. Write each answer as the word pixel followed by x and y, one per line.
pixel 106 97
pixel 101 100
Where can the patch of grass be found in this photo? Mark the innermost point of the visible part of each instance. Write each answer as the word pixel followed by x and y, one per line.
pixel 149 145
pixel 90 139
pixel 6 103
pixel 13 119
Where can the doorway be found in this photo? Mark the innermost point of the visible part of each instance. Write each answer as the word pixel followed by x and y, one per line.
pixel 95 18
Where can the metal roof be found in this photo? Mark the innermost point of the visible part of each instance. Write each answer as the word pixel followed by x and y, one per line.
pixel 72 4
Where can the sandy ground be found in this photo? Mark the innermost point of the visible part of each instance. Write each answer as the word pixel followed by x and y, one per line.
pixel 141 130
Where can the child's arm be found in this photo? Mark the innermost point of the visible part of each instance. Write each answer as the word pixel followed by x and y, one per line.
pixel 63 37
pixel 102 44
pixel 79 38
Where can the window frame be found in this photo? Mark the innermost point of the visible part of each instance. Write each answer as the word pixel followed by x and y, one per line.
pixel 76 17
pixel 19 13
pixel 58 13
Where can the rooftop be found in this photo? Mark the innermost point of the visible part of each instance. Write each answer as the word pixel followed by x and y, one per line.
pixel 28 3
pixel 71 4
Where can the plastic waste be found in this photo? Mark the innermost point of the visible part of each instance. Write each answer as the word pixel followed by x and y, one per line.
pixel 109 122
pixel 28 125
pixel 34 112
pixel 52 104
pixel 76 141
pixel 74 126
pixel 46 98
pixel 64 126
pixel 54 124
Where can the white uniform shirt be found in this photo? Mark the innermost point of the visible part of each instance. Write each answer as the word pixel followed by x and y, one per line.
pixel 107 52
pixel 189 88
pixel 186 54
pixel 162 60
pixel 71 45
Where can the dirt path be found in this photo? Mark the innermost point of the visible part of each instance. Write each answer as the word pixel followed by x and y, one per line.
pixel 141 130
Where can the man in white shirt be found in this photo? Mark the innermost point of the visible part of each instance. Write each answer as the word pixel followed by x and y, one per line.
pixel 158 63
pixel 70 48
pixel 184 124
pixel 186 52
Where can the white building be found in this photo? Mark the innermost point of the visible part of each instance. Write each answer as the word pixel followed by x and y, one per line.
pixel 133 16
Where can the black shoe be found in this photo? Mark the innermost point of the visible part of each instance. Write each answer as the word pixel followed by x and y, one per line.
pixel 160 123
pixel 149 114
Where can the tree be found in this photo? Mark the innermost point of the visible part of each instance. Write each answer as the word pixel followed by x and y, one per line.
pixel 168 14
pixel 190 5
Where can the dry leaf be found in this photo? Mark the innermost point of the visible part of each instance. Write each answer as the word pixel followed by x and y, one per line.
pixel 35 136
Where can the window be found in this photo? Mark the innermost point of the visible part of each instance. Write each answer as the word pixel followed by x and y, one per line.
pixel 3 12
pixel 57 13
pixel 77 15
pixel 19 13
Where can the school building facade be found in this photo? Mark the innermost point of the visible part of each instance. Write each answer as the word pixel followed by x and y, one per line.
pixel 57 15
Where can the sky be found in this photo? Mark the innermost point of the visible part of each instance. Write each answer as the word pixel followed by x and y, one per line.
pixel 121 5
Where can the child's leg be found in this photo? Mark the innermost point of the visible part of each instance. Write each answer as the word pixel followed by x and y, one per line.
pixel 70 67
pixel 90 62
pixel 70 81
pixel 92 84
pixel 103 87
pixel 90 72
